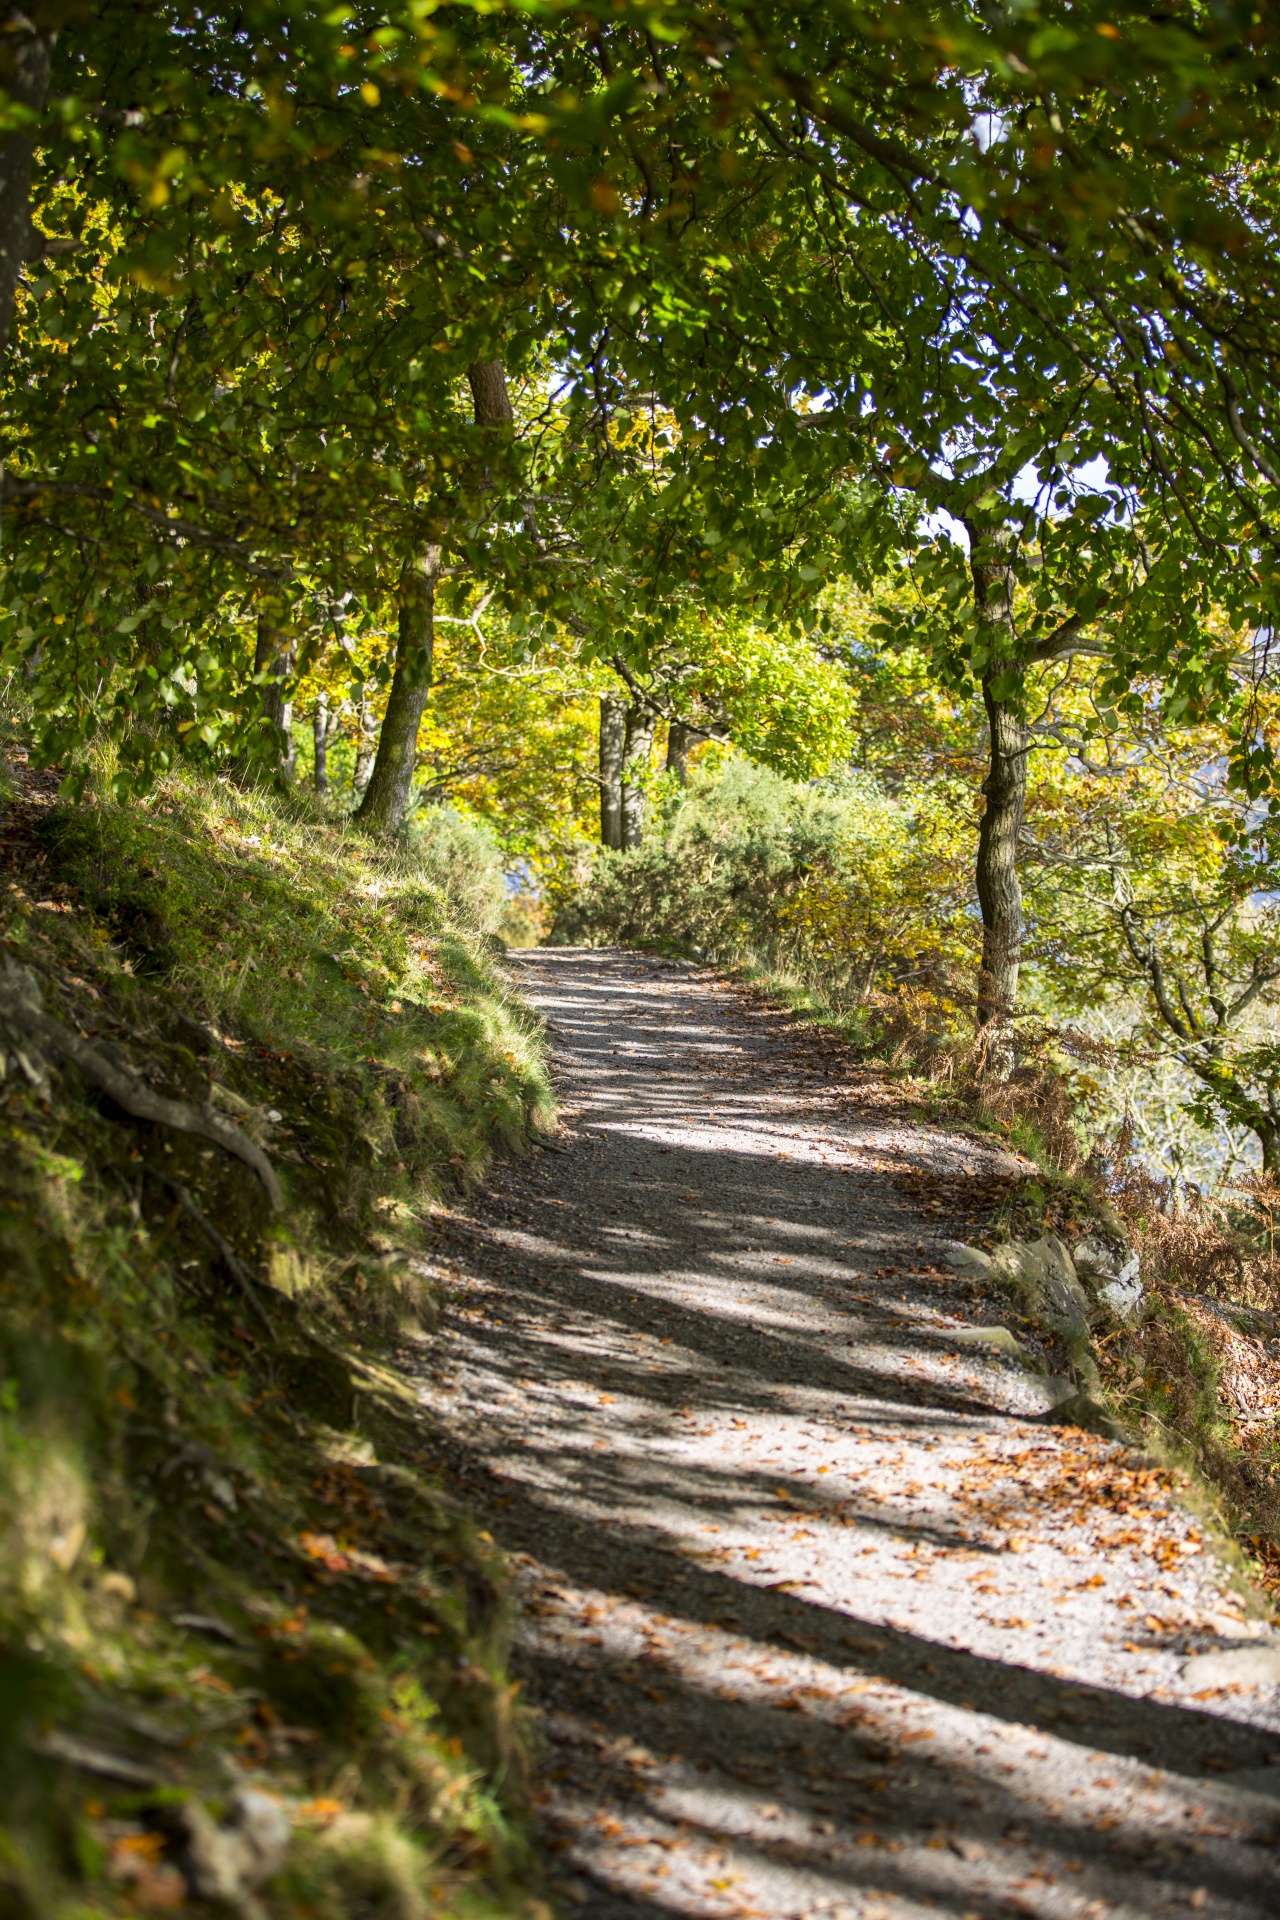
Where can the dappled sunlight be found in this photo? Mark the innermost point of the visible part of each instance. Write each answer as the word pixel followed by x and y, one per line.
pixel 818 1615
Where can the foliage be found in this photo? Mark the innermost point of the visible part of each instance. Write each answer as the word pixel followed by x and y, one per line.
pixel 511 737
pixel 838 882
pixel 1152 907
pixel 258 233
pixel 224 1546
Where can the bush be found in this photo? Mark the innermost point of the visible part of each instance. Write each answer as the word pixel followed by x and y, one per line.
pixel 840 885
pixel 460 854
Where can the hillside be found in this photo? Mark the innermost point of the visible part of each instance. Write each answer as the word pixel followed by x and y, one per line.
pixel 244 1636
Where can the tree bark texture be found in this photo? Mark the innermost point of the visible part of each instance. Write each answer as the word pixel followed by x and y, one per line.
pixel 274 655
pixel 680 739
pixel 613 740
pixel 25 54
pixel 366 743
pixel 320 735
pixel 489 395
pixel 638 745
pixel 1005 790
pixel 386 798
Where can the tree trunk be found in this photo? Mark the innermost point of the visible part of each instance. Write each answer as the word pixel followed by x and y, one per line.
pixel 489 394
pixel 635 765
pixel 320 735
pixel 999 889
pixel 274 655
pixel 992 553
pixel 25 54
pixel 386 798
pixel 680 739
pixel 366 743
pixel 613 738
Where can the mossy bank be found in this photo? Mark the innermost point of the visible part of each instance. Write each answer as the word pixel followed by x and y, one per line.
pixel 251 1656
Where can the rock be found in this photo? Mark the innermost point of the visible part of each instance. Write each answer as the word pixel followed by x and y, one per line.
pixel 1234 1667
pixel 1043 1273
pixel 999 1339
pixel 1040 1270
pixel 971 1261
pixel 1095 1259
pixel 228 1862
pixel 1112 1271
pixel 1082 1410
pixel 1123 1295
pixel 1229 1627
pixel 1053 1390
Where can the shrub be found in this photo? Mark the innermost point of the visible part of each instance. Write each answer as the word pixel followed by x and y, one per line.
pixel 461 856
pixel 839 884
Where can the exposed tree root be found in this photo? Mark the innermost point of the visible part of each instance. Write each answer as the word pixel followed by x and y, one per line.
pixel 25 1025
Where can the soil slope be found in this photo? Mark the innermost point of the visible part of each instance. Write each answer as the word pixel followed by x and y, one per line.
pixel 820 1617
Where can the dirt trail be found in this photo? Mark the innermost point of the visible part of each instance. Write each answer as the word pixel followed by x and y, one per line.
pixel 818 1617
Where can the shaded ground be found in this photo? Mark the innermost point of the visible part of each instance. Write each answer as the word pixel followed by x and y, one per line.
pixel 820 1618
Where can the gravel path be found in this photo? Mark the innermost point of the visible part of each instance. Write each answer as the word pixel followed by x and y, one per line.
pixel 818 1616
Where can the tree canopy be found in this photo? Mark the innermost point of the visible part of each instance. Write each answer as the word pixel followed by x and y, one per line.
pixel 656 329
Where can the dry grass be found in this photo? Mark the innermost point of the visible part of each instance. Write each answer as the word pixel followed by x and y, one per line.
pixel 1200 1370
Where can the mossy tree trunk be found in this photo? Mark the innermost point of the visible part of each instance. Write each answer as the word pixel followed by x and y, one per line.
pixel 680 739
pixel 992 557
pixel 638 745
pixel 274 658
pixel 366 743
pixel 613 741
pixel 320 729
pixel 386 798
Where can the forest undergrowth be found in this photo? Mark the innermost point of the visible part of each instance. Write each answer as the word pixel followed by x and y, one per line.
pixel 248 1649
pixel 832 902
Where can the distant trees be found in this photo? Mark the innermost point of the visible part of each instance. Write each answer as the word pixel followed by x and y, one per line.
pixel 648 328
pixel 964 265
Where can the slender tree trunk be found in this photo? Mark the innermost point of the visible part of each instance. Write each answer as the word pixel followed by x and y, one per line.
pixel 999 889
pixel 386 798
pixel 635 764
pixel 613 740
pixel 25 54
pixel 320 735
pixel 992 555
pixel 366 743
pixel 274 655
pixel 680 739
